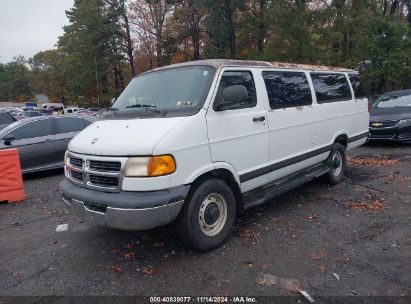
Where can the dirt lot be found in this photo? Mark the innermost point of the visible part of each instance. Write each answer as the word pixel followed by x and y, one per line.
pixel 349 240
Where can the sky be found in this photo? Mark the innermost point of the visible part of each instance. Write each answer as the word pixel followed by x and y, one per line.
pixel 30 26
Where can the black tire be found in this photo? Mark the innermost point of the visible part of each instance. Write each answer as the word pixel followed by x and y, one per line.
pixel 337 162
pixel 200 207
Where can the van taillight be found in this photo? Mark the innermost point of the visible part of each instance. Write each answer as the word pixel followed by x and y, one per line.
pixel 369 106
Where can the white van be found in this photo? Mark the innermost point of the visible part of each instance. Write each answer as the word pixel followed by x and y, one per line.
pixel 51 105
pixel 198 142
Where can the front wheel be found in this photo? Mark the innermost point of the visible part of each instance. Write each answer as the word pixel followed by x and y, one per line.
pixel 208 215
pixel 337 163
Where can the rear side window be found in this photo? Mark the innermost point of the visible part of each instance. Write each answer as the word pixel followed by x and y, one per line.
pixel 6 118
pixel 331 87
pixel 231 78
pixel 67 125
pixel 357 86
pixel 287 89
pixel 38 128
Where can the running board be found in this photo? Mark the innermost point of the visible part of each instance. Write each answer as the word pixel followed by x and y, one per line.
pixel 264 193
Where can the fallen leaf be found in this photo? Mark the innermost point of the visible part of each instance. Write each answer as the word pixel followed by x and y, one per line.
pixel 246 233
pixel 128 255
pixel 116 268
pixel 322 269
pixel 147 271
pixel 317 256
pixel 360 206
pixel 371 161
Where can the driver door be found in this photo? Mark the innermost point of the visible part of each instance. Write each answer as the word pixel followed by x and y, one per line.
pixel 238 132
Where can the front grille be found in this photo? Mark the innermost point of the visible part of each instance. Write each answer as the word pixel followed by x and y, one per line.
pixel 103 173
pixel 105 166
pixel 77 176
pixel 76 162
pixel 384 124
pixel 382 136
pixel 104 181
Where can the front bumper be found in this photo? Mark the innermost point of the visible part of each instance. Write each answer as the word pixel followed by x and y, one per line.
pixel 124 210
pixel 397 134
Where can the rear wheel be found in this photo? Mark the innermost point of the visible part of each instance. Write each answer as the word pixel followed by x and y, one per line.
pixel 337 163
pixel 207 216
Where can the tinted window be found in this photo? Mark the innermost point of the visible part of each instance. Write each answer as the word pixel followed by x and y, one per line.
pixel 357 86
pixel 6 118
pixel 331 87
pixel 33 129
pixel 237 78
pixel 66 125
pixel 287 89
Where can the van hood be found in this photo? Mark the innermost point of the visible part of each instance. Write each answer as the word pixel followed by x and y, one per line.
pixel 122 137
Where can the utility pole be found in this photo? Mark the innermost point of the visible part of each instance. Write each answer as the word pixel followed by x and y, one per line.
pixel 97 84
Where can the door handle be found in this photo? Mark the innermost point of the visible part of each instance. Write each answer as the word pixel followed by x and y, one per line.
pixel 259 118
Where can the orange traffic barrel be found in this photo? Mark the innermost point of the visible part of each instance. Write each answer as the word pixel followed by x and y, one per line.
pixel 11 180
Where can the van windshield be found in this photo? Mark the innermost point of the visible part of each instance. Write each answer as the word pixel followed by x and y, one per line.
pixel 182 90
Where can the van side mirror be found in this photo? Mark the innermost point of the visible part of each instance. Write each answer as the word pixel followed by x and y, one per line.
pixel 112 101
pixel 232 95
pixel 8 139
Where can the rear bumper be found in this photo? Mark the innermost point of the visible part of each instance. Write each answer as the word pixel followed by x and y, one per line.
pixel 124 210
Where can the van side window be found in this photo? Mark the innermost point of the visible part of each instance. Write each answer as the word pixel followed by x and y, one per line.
pixel 233 78
pixel 331 87
pixel 287 89
pixel 357 86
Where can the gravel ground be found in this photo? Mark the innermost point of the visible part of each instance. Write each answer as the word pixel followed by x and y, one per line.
pixel 349 240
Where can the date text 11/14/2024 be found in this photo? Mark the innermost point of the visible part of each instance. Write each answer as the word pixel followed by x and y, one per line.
pixel 217 299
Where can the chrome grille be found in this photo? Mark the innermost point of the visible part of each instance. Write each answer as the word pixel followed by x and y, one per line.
pixel 105 166
pixel 76 175
pixel 76 162
pixel 383 124
pixel 95 172
pixel 103 181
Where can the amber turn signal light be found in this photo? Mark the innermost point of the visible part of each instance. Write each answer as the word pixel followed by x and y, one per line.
pixel 161 165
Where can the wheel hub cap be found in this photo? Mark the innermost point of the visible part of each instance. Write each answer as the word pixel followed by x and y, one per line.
pixel 337 163
pixel 211 214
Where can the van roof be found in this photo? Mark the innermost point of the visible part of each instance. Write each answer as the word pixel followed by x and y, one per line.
pixel 220 63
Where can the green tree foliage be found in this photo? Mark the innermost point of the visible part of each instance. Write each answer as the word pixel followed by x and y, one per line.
pixel 47 75
pixel 14 81
pixel 108 41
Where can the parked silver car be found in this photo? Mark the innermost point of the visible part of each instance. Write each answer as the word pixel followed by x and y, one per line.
pixel 42 141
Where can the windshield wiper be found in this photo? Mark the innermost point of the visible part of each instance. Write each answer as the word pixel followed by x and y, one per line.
pixel 145 106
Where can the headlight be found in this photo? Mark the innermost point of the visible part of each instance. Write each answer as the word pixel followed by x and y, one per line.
pixel 405 121
pixel 65 158
pixel 149 166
